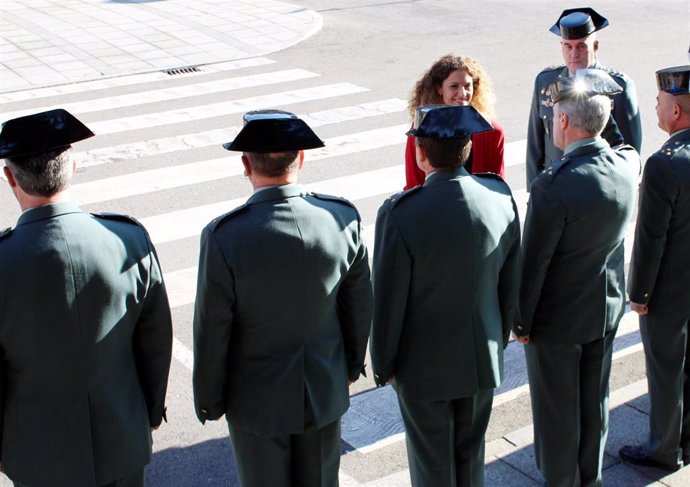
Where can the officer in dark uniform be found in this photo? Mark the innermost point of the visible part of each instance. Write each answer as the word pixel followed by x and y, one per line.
pixel 85 328
pixel 577 28
pixel 446 277
pixel 572 295
pixel 659 279
pixel 282 314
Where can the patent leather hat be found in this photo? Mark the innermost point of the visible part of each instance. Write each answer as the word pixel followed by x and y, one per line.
pixel 585 82
pixel 675 80
pixel 576 23
pixel 448 122
pixel 273 131
pixel 41 132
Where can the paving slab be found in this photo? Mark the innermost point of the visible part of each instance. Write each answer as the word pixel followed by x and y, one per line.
pixel 500 473
pixel 623 476
pixel 53 42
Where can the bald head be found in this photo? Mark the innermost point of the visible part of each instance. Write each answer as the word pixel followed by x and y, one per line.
pixel 673 112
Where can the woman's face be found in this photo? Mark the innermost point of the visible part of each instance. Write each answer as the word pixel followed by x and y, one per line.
pixel 457 88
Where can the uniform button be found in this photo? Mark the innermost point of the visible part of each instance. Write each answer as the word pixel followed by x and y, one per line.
pixel 645 295
pixel 519 327
pixel 204 412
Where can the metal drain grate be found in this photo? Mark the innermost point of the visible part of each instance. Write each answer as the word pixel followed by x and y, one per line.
pixel 186 70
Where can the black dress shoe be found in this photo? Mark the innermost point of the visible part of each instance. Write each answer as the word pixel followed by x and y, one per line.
pixel 635 454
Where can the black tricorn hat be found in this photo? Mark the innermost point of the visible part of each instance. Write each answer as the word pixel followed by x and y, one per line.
pixel 273 131
pixel 576 23
pixel 675 80
pixel 589 82
pixel 448 122
pixel 41 132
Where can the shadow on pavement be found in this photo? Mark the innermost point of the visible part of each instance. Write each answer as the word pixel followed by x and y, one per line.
pixel 627 425
pixel 210 463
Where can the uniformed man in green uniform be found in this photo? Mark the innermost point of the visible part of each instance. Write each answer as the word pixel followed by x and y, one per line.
pixel 660 279
pixel 446 278
pixel 572 295
pixel 282 313
pixel 85 328
pixel 577 28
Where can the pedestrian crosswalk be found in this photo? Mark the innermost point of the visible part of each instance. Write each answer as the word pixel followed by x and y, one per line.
pixel 124 81
pixel 176 93
pixel 162 147
pixel 185 174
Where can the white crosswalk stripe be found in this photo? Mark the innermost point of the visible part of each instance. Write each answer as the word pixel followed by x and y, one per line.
pixel 89 87
pixel 216 137
pixel 514 153
pixel 189 222
pixel 221 109
pixel 171 94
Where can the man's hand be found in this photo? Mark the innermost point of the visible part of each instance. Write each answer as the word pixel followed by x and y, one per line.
pixel 522 339
pixel 640 309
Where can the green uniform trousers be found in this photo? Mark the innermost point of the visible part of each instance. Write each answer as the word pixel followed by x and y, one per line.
pixel 569 388
pixel 445 440
pixel 308 459
pixel 667 356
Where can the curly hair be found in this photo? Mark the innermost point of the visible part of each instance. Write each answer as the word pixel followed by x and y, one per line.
pixel 425 91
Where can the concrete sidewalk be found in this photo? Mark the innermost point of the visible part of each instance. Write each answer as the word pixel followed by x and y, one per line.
pixel 54 42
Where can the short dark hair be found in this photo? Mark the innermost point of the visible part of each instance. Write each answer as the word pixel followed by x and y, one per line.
pixel 43 174
pixel 446 153
pixel 271 164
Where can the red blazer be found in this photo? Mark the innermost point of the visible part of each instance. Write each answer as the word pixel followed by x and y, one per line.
pixel 487 156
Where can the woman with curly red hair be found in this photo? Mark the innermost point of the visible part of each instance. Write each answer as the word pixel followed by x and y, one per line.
pixel 458 80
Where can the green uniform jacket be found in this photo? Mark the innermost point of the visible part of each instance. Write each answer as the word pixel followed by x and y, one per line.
pixel 660 267
pixel 446 277
pixel 283 310
pixel 573 287
pixel 85 347
pixel 540 149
